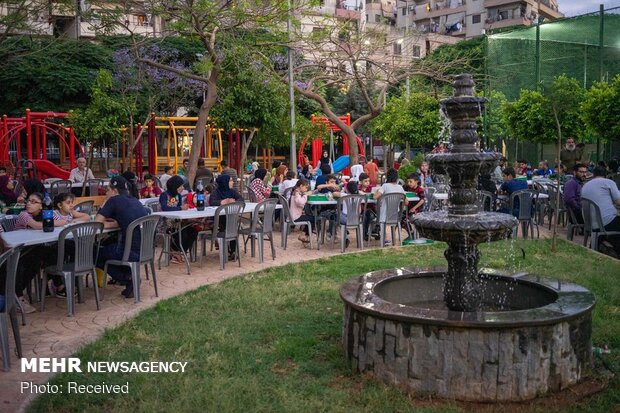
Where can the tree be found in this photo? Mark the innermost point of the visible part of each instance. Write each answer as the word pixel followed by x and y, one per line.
pixel 600 109
pixel 414 120
pixel 495 126
pixel 49 74
pixel 339 54
pixel 99 122
pixel 532 117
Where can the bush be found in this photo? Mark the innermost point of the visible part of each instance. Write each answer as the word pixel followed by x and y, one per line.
pixel 406 170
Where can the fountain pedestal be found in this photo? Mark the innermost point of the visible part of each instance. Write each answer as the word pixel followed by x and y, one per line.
pixel 460 333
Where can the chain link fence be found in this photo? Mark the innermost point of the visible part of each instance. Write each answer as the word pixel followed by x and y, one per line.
pixel 585 47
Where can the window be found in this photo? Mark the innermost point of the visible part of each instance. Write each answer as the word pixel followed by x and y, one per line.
pixel 377 18
pixel 404 11
pixel 416 51
pixel 475 18
pixel 398 49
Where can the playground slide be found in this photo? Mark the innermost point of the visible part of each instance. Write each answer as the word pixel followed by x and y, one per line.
pixel 341 163
pixel 50 169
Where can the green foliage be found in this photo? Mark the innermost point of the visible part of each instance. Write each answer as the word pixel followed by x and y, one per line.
pixel 49 74
pixel 531 117
pixel 405 170
pixel 600 109
pixel 100 121
pixel 495 122
pixel 415 120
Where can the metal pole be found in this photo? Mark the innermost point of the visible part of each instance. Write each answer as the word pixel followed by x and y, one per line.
pixel 537 56
pixel 408 80
pixel 601 45
pixel 291 91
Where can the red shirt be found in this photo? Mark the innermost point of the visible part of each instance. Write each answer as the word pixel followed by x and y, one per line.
pixel 152 192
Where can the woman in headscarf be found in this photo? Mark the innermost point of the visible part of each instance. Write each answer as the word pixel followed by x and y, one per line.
pixel 258 186
pixel 324 160
pixel 222 195
pixel 6 190
pixel 171 200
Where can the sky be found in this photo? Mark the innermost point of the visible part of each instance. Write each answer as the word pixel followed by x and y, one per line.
pixel 577 7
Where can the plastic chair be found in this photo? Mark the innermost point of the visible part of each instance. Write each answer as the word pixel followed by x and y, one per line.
pixel 83 236
pixel 251 194
pixel 593 223
pixel 390 209
pixel 10 260
pixel 60 187
pixel 553 194
pixel 231 214
pixel 544 208
pixel 259 228
pixel 573 224
pixel 288 223
pixel 93 186
pixel 526 212
pixel 355 205
pixel 486 201
pixel 85 207
pixel 8 224
pixel 429 196
pixel 146 226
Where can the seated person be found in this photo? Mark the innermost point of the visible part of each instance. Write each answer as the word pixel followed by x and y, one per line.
pixel 150 190
pixel 224 194
pixel 132 182
pixel 331 188
pixel 120 210
pixel 299 198
pixel 543 169
pixel 32 216
pixel 425 175
pixel 510 186
pixel 572 192
pixel 203 173
pixel 171 200
pixel 7 193
pixel 289 181
pixel 278 178
pixel 261 191
pixel 63 209
pixel 168 173
pixel 413 185
pixel 321 179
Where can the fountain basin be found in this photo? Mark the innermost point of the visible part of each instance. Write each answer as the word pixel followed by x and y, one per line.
pixel 471 229
pixel 531 336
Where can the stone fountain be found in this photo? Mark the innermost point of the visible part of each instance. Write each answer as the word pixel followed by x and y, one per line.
pixel 459 332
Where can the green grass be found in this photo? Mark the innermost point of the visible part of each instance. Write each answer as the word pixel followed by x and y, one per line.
pixel 270 341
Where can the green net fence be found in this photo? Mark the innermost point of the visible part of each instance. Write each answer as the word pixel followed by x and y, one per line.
pixel 585 47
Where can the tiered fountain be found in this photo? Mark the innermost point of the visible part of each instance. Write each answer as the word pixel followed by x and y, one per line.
pixel 460 332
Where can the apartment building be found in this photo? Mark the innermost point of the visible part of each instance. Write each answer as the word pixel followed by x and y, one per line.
pixel 470 18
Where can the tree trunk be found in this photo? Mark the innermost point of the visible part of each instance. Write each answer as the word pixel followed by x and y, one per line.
pixel 556 207
pixel 246 146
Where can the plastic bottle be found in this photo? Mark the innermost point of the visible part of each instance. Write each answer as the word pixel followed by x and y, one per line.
pixel 48 214
pixel 597 351
pixel 200 197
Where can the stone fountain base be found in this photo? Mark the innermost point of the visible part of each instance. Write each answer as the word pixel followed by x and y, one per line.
pixel 538 338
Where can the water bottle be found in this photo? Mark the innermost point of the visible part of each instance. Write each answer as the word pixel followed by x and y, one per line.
pixel 48 214
pixel 597 351
pixel 200 197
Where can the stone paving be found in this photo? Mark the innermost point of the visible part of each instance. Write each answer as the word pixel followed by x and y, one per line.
pixel 52 334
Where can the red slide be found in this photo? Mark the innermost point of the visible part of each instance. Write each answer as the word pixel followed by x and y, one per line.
pixel 50 170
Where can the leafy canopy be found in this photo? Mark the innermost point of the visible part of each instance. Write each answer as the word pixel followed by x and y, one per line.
pixel 600 109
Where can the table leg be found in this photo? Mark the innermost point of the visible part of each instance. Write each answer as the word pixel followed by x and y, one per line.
pixel 183 249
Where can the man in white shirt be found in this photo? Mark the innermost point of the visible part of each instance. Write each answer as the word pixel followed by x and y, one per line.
pixel 605 194
pixel 168 173
pixel 81 173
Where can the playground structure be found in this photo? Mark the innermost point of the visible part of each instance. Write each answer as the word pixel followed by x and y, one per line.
pixel 176 134
pixel 40 137
pixel 340 164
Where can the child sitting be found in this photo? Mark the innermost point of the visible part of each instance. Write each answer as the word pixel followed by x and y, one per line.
pixel 150 190
pixel 413 185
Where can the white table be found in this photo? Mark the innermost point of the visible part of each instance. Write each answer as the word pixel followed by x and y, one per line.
pixel 209 212
pixel 30 237
pixel 48 185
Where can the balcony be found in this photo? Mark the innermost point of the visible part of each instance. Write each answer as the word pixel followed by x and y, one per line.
pixel 494 23
pixel 347 13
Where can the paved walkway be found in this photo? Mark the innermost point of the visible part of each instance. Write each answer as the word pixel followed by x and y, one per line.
pixel 53 334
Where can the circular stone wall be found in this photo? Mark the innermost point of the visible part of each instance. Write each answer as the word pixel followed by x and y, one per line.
pixel 395 327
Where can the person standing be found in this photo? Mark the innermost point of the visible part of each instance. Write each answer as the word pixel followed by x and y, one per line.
pixel 81 174
pixel 571 153
pixel 325 160
pixel 572 191
pixel 605 194
pixel 203 172
pixel 372 170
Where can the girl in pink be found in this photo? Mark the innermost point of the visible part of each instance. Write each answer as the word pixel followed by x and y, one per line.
pixel 299 198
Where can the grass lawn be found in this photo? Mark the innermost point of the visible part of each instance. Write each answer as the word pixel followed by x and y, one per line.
pixel 270 341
